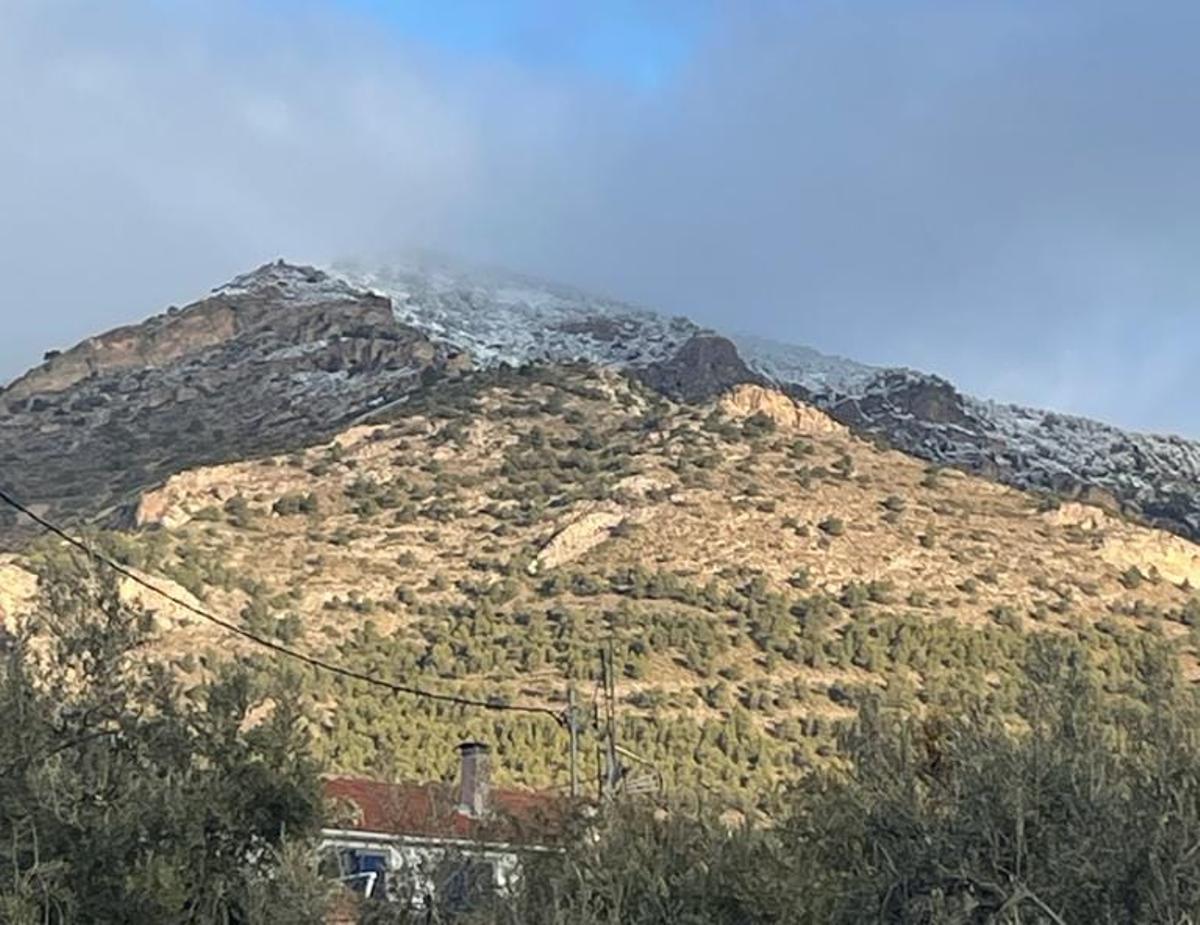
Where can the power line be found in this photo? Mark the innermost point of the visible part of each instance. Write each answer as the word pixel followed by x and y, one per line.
pixel 277 648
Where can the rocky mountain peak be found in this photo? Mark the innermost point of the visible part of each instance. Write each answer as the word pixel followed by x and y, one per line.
pixel 278 358
pixel 286 282
pixel 287 352
pixel 704 366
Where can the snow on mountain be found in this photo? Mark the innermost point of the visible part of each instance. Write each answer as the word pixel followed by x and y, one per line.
pixel 803 366
pixel 290 284
pixel 336 344
pixel 1158 474
pixel 505 318
pixel 500 317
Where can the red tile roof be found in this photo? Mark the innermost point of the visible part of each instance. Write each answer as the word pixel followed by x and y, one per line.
pixel 431 810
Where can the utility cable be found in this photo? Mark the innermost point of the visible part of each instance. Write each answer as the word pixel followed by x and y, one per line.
pixel 278 648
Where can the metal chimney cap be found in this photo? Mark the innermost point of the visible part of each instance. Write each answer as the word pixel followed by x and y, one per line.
pixel 471 747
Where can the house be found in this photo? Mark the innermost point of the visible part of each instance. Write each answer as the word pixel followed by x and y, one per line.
pixel 421 840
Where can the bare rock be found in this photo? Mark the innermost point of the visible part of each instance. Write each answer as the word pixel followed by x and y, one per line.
pixel 787 413
pixel 639 486
pixel 576 539
pixel 177 500
pixel 18 589
pixel 1125 546
pixel 164 614
pixel 704 367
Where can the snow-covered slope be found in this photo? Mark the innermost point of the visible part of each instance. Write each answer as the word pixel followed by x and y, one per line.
pixel 803 366
pixel 1158 475
pixel 1152 476
pixel 499 317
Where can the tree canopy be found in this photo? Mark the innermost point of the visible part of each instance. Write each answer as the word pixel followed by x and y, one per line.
pixel 130 794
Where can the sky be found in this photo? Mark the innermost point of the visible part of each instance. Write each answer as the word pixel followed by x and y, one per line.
pixel 1003 192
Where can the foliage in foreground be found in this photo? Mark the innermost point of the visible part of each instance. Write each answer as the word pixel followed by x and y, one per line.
pixel 1081 806
pixel 125 798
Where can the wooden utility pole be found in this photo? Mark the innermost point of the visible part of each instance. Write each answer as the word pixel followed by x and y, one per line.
pixel 612 764
pixel 573 730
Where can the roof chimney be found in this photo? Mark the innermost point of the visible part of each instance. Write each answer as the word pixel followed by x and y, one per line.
pixel 474 779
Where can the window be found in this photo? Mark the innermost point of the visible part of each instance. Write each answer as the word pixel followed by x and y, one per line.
pixel 364 871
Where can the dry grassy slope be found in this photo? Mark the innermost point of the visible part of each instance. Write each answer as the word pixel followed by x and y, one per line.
pixel 500 503
pixel 985 546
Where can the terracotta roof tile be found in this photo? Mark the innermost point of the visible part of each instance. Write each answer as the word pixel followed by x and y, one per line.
pixel 431 810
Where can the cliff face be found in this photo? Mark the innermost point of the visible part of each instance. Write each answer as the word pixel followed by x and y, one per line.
pixel 156 343
pixel 788 414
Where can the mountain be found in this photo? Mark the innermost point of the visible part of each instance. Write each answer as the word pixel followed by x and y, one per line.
pixel 758 570
pixel 285 354
pixel 478 480
pixel 278 358
pixel 498 317
pixel 501 317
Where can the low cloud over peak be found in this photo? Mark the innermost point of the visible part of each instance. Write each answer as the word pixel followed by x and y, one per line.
pixel 1003 193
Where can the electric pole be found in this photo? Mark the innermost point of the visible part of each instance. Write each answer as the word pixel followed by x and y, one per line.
pixel 573 730
pixel 612 764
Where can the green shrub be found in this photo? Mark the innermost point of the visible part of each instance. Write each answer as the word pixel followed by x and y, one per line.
pixel 239 512
pixel 1132 578
pixel 1007 616
pixel 295 503
pixel 758 425
pixel 832 526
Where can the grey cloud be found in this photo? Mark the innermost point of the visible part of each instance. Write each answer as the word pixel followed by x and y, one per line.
pixel 1004 193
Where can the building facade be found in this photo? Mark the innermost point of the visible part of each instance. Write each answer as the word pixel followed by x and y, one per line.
pixel 427 842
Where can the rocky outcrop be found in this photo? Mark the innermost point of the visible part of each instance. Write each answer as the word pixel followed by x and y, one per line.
pixel 181 496
pixel 914 412
pixel 19 592
pixel 164 613
pixel 704 367
pixel 1153 553
pixel 160 341
pixel 280 358
pixel 18 589
pixel 576 539
pixel 787 413
pixel 639 487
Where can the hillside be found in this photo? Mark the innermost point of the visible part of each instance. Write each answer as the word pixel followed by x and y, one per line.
pixel 284 358
pixel 500 317
pixel 287 355
pixel 759 567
